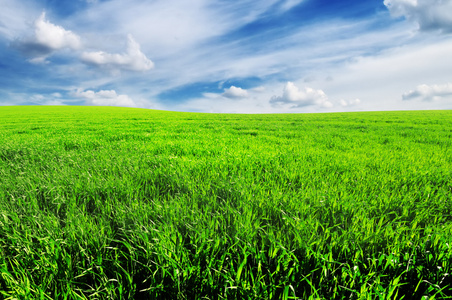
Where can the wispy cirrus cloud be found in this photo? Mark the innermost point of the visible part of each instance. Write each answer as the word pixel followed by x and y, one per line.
pixel 14 16
pixel 289 4
pixel 172 26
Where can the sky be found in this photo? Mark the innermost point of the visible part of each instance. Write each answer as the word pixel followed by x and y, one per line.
pixel 226 56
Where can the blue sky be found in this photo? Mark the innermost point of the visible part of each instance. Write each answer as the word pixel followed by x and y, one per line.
pixel 243 56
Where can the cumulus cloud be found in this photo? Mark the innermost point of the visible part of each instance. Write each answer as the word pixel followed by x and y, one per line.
pixel 235 93
pixel 132 60
pixel 429 92
pixel 105 98
pixel 347 103
pixel 49 38
pixel 46 39
pixel 53 36
pixel 429 14
pixel 296 98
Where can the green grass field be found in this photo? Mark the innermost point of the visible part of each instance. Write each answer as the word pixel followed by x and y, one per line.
pixel 118 203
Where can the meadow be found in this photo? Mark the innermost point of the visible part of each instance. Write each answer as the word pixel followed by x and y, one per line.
pixel 123 203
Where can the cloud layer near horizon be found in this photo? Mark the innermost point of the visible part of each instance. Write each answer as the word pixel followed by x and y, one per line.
pixel 105 98
pixel 296 98
pixel 429 92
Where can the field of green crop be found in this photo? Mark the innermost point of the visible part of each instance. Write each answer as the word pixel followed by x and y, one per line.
pixel 118 203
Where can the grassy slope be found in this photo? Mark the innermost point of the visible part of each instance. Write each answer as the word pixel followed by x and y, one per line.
pixel 123 203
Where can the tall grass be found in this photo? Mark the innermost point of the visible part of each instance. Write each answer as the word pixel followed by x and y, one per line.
pixel 116 203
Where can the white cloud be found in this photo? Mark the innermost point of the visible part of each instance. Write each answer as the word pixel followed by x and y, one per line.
pixel 429 92
pixel 49 38
pixel 105 98
pixel 46 39
pixel 132 60
pixel 173 26
pixel 235 93
pixel 53 36
pixel 346 103
pixel 297 98
pixel 259 89
pixel 289 4
pixel 380 80
pixel 280 56
pixel 40 60
pixel 34 99
pixel 429 14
